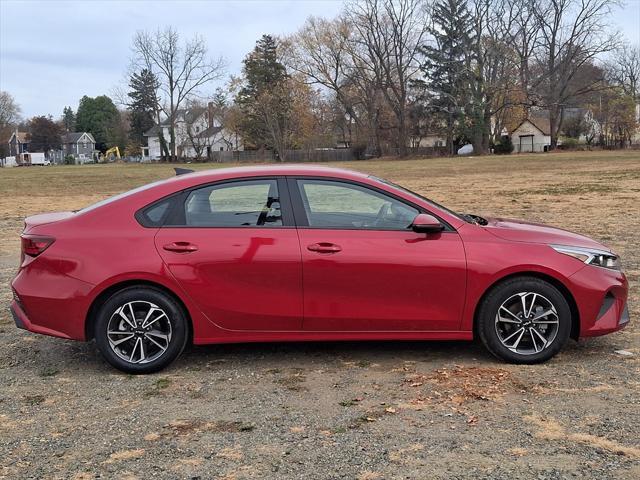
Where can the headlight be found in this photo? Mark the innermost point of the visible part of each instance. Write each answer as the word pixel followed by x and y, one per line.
pixel 591 256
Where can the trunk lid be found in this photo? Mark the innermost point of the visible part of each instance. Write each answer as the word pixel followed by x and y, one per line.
pixel 44 219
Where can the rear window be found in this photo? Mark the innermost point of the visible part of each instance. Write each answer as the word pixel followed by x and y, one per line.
pixel 156 214
pixel 109 200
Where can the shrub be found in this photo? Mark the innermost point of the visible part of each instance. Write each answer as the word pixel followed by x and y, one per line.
pixel 504 146
pixel 569 143
pixel 69 160
pixel 359 150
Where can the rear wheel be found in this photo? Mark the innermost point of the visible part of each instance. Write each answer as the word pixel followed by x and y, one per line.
pixel 524 320
pixel 140 330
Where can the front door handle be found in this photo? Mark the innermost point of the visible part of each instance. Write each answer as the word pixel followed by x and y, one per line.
pixel 180 247
pixel 324 247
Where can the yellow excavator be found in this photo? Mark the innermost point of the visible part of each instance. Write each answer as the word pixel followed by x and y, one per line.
pixel 115 151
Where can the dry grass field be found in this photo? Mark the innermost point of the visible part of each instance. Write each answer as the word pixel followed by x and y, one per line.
pixel 343 410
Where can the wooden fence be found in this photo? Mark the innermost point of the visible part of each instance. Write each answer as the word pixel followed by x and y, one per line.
pixel 293 156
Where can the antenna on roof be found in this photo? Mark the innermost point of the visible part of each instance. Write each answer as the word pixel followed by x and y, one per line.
pixel 182 171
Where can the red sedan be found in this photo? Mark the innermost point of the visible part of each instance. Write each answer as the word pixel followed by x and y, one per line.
pixel 293 253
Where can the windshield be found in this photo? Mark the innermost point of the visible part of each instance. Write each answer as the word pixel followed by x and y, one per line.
pixel 109 200
pixel 417 195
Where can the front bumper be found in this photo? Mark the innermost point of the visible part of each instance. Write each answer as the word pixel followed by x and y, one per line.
pixel 601 297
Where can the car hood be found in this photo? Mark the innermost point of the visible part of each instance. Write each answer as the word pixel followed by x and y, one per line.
pixel 521 231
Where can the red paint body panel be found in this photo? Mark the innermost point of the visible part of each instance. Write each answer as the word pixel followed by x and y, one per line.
pixel 383 280
pixel 263 284
pixel 241 278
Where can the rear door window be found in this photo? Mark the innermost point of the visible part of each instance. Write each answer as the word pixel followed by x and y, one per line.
pixel 250 203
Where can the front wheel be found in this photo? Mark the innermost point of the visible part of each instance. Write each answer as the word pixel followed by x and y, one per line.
pixel 140 330
pixel 524 320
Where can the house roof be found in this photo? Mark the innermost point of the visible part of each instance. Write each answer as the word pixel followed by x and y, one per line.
pixel 188 115
pixel 153 131
pixel 208 132
pixel 541 123
pixel 23 137
pixel 73 137
pixel 540 118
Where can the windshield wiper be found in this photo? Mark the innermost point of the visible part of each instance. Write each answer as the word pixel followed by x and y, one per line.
pixel 475 219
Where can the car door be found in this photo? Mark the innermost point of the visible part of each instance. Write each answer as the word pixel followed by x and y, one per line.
pixel 234 249
pixel 364 269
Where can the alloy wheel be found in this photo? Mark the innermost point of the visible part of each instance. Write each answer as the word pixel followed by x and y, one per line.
pixel 139 332
pixel 527 323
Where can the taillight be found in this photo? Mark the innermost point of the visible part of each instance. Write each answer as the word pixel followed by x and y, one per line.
pixel 34 245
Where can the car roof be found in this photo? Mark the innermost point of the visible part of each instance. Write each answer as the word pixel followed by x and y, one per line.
pixel 265 170
pixel 146 194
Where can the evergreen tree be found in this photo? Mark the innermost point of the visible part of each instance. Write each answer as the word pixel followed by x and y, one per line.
pixel 68 119
pixel 44 134
pixel 100 117
pixel 446 68
pixel 143 104
pixel 264 100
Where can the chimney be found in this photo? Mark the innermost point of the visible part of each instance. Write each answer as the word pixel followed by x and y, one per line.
pixel 210 114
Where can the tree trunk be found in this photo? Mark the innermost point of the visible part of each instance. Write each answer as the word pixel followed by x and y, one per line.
pixel 172 141
pixel 403 151
pixel 554 125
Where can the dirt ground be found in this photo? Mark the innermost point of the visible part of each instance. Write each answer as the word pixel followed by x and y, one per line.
pixel 337 410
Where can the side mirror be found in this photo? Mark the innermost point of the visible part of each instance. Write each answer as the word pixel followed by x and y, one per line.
pixel 425 223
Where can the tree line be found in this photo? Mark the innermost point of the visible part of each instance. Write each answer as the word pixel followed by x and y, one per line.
pixel 379 78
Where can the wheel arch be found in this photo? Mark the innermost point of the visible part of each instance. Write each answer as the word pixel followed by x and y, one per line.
pixel 564 290
pixel 110 290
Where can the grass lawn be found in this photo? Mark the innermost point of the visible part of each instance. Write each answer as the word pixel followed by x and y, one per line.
pixel 328 410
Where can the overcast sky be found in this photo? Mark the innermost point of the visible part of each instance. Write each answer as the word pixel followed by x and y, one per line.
pixel 54 52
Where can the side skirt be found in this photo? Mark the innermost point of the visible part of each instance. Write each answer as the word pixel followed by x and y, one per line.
pixel 248 337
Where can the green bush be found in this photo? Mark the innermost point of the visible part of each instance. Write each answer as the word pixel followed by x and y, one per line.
pixel 503 147
pixel 569 143
pixel 69 160
pixel 359 150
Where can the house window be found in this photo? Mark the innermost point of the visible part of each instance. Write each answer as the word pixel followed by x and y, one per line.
pixel 197 129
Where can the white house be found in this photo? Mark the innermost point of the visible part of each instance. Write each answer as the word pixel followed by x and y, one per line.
pixel 8 162
pixel 532 135
pixel 198 135
pixel 428 140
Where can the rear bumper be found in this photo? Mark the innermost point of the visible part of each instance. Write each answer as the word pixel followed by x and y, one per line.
pixel 22 321
pixel 601 296
pixel 50 303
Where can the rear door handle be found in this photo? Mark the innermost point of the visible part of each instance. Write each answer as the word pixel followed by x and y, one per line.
pixel 180 247
pixel 324 247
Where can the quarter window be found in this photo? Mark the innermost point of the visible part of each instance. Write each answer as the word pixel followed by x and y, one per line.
pixel 331 204
pixel 249 203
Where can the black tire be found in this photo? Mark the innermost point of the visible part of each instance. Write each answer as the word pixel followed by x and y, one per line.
pixel 173 325
pixel 498 335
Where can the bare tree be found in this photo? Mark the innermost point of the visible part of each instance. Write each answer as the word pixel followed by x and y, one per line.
pixel 327 54
pixel 194 129
pixel 572 34
pixel 9 117
pixel 390 33
pixel 181 68
pixel 9 110
pixel 320 51
pixel 518 26
pixel 623 69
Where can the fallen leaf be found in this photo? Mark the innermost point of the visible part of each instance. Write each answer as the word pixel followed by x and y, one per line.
pixel 624 353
